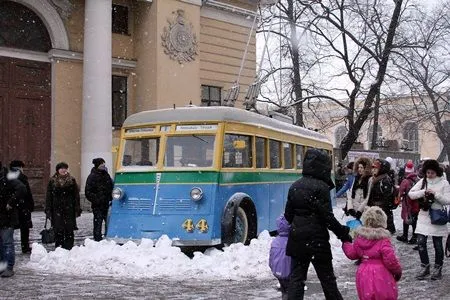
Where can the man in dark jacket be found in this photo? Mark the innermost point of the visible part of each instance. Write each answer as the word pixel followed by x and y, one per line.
pixel 308 210
pixel 12 191
pixel 99 186
pixel 25 207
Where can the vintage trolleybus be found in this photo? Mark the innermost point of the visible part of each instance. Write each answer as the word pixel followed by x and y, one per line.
pixel 204 175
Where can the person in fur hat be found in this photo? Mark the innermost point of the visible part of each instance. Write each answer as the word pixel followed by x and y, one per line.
pixel 382 190
pixel 359 192
pixel 380 269
pixel 62 205
pixel 432 191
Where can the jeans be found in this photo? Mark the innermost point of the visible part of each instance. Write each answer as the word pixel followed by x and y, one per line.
pixel 324 268
pixel 423 251
pixel 100 215
pixel 7 252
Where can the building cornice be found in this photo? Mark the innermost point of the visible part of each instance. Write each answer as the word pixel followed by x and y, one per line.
pixel 227 13
pixel 194 2
pixel 24 54
pixel 58 54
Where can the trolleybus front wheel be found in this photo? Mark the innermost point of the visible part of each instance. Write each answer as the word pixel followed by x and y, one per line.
pixel 241 227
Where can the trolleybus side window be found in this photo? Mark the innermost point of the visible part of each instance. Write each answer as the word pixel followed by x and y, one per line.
pixel 288 153
pixel 141 152
pixel 190 151
pixel 261 161
pixel 275 154
pixel 299 156
pixel 237 151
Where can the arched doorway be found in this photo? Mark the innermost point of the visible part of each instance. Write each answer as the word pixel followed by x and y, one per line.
pixel 25 95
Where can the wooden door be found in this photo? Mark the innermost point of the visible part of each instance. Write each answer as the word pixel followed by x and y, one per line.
pixel 25 121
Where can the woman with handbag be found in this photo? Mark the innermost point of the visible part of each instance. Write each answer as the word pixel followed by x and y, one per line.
pixel 62 206
pixel 432 192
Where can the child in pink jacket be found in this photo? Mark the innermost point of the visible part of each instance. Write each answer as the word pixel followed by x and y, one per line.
pixel 380 269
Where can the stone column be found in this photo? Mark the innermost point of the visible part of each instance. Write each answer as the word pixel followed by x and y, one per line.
pixel 96 136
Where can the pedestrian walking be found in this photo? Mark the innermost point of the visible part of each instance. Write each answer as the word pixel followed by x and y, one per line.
pixel 26 207
pixel 380 269
pixel 98 191
pixel 62 205
pixel 12 191
pixel 410 208
pixel 431 192
pixel 308 211
pixel 279 262
pixel 382 190
pixel 359 192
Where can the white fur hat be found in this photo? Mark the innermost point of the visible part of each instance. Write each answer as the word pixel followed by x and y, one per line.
pixel 374 217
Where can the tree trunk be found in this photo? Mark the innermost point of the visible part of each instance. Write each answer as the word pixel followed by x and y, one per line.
pixel 352 135
pixel 296 79
pixel 373 144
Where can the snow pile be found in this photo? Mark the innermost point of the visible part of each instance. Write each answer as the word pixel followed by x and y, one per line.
pixel 147 260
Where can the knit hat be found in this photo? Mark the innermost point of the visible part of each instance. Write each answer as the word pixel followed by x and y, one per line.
pixel 61 165
pixel 98 161
pixel 432 164
pixel 374 217
pixel 409 167
pixel 16 164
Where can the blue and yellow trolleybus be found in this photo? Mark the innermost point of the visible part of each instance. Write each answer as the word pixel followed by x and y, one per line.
pixel 204 175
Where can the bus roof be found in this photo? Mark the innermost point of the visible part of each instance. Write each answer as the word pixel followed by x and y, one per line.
pixel 218 114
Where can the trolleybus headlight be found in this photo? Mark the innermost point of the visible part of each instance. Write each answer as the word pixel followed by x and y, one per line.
pixel 196 194
pixel 117 193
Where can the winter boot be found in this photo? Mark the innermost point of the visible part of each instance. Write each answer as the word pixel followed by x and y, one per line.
pixel 7 273
pixel 424 272
pixel 402 238
pixel 413 240
pixel 436 274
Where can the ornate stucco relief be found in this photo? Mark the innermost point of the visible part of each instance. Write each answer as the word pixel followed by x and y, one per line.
pixel 179 40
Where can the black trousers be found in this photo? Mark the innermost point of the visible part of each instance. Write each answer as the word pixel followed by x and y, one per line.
pixel 64 239
pixel 322 263
pixel 100 215
pixel 390 220
pixel 25 237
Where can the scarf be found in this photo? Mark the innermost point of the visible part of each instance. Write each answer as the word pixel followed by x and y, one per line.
pixel 361 182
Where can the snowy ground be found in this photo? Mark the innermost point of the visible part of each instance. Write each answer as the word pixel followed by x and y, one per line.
pixel 106 270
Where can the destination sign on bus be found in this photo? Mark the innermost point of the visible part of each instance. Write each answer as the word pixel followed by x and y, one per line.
pixel 196 127
pixel 140 130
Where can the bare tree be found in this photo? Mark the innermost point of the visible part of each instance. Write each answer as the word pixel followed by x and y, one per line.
pixel 356 37
pixel 424 68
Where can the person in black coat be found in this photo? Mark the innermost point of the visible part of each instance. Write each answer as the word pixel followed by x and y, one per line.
pixel 308 210
pixel 25 207
pixel 382 190
pixel 12 191
pixel 98 191
pixel 62 205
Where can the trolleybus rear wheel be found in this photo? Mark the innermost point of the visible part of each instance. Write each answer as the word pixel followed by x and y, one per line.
pixel 241 227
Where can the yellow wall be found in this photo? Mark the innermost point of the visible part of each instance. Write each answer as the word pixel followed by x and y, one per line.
pixel 222 47
pixel 66 115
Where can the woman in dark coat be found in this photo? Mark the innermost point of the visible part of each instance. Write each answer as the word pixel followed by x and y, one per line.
pixel 309 212
pixel 382 190
pixel 62 206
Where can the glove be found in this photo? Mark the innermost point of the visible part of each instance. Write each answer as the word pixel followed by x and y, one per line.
pixel 397 277
pixel 352 212
pixel 358 215
pixel 344 235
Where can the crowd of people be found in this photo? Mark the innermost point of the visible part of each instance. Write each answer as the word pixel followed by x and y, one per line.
pixel 62 207
pixel 372 190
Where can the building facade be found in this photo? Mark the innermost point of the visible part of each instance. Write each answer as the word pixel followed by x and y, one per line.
pixel 71 71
